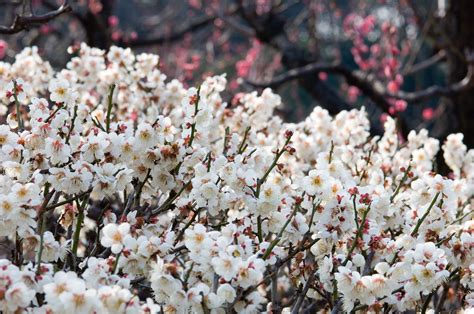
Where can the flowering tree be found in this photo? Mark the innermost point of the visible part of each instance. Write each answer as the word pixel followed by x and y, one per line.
pixel 124 192
pixel 388 56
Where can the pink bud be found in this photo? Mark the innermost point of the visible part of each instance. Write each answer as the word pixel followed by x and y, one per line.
pixel 383 117
pixel 233 85
pixel 243 68
pixel 3 48
pixel 400 105
pixel 113 20
pixel 323 76
pixel 195 4
pixel 353 93
pixel 116 35
pixel 399 79
pixel 134 116
pixel 428 113
pixel 393 87
pixel 387 71
pixel 45 29
pixel 375 49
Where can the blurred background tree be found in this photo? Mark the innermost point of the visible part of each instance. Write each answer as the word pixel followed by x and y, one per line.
pixel 404 58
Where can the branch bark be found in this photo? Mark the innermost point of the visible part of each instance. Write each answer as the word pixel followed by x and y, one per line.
pixel 22 22
pixel 195 25
pixel 371 86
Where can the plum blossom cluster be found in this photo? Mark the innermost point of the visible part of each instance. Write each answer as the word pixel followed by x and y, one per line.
pixel 124 192
pixel 381 57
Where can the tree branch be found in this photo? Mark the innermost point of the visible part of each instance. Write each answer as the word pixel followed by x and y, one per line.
pixel 238 27
pixel 436 91
pixel 366 83
pixel 22 22
pixel 440 56
pixel 370 86
pixel 195 25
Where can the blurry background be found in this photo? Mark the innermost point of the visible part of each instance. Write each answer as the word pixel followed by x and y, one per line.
pixel 409 59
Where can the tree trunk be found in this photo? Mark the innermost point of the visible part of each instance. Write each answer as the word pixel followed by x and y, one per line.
pixel 460 37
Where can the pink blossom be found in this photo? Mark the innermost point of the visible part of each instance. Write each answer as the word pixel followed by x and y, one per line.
pixel 113 21
pixel 116 35
pixel 242 67
pixel 353 93
pixel 95 6
pixel 393 87
pixel 3 48
pixel 428 113
pixel 400 105
pixel 195 4
pixel 45 29
pixel 375 49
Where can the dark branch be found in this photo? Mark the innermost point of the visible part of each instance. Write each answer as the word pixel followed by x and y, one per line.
pixel 437 91
pixel 193 26
pixel 238 27
pixel 440 56
pixel 371 86
pixel 21 22
pixel 297 73
pixel 366 83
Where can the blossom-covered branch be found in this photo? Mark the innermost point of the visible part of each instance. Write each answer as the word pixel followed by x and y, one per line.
pixel 121 191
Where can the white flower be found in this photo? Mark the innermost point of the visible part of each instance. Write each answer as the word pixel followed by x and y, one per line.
pixel 6 136
pixel 225 266
pixel 144 137
pixel 226 292
pixel 9 206
pixel 316 182
pixel 114 236
pixel 196 238
pixel 60 91
pixel 18 296
pixel 19 89
pixel 57 150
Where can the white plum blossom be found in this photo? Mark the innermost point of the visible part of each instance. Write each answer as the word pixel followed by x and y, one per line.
pixel 115 236
pixel 168 199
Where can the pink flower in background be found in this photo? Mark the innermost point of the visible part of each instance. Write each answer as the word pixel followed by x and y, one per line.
pixel 263 6
pixel 353 93
pixel 428 113
pixel 95 6
pixel 233 84
pixel 196 4
pixel 113 20
pixel 236 99
pixel 45 29
pixel 393 87
pixel 243 66
pixel 3 48
pixel 367 25
pixel 116 35
pixel 400 105
pixel 323 76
